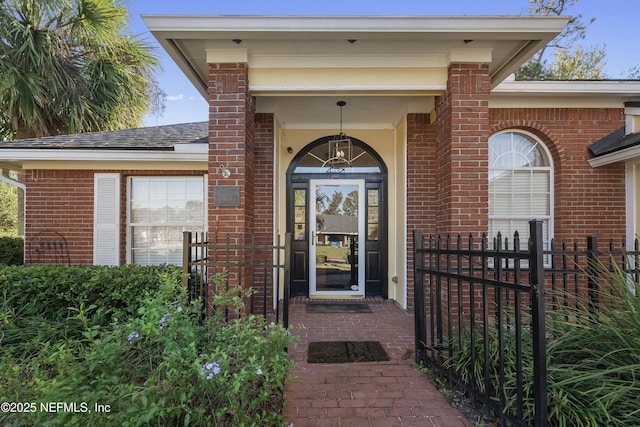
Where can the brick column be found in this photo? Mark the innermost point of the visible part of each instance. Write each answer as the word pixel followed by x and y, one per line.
pixel 421 186
pixel 463 132
pixel 231 144
pixel 264 209
pixel 231 128
pixel 463 164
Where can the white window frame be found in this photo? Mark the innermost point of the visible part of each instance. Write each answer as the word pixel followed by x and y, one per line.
pixel 550 169
pixel 130 224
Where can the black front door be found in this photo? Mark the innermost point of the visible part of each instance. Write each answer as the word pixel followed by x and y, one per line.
pixel 338 224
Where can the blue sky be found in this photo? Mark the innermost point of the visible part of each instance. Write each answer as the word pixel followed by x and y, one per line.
pixel 613 28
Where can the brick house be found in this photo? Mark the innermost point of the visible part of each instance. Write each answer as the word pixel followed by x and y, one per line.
pixel 402 123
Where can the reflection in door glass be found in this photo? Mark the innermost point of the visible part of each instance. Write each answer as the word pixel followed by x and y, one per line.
pixel 300 214
pixel 336 237
pixel 373 214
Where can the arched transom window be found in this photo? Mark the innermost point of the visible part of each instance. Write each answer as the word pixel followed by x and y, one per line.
pixel 520 185
pixel 333 156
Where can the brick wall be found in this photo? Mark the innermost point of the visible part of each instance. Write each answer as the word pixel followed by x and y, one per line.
pixel 62 201
pixel 587 200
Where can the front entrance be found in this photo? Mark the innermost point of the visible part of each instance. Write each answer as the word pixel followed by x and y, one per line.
pixel 336 214
pixel 339 225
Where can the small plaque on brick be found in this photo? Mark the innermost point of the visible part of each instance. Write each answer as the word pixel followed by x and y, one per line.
pixel 226 195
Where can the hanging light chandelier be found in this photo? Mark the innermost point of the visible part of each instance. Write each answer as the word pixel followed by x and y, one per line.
pixel 340 154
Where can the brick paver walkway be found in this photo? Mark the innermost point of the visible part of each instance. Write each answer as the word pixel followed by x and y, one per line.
pixel 371 394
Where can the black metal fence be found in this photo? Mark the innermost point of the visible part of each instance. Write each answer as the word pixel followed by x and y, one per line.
pixel 213 263
pixel 476 303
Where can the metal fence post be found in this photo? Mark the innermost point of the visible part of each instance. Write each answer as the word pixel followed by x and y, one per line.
pixel 186 260
pixel 418 295
pixel 287 279
pixel 592 272
pixel 276 287
pixel 536 264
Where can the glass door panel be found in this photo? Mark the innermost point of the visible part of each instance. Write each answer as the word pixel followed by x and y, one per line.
pixel 336 225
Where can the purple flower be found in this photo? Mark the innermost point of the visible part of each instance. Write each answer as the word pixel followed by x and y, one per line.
pixel 133 336
pixel 163 321
pixel 210 369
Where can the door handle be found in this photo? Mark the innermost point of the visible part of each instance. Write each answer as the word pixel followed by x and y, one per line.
pixel 313 238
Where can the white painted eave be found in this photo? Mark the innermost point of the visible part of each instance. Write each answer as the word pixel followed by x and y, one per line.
pixel 340 26
pixel 617 156
pixel 43 154
pixel 583 88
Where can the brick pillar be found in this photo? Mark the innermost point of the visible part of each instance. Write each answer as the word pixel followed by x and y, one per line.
pixel 463 167
pixel 231 123
pixel 264 177
pixel 231 143
pixel 264 210
pixel 421 186
pixel 463 132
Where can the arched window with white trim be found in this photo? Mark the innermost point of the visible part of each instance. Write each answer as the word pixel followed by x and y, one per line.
pixel 520 185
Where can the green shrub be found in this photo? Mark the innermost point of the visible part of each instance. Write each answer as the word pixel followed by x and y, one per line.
pixel 11 250
pixel 55 292
pixel 161 366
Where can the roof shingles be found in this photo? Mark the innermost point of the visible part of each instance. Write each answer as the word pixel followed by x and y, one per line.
pixel 161 138
pixel 613 142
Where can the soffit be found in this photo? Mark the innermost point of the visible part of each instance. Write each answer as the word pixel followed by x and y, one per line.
pixel 297 42
pixel 360 112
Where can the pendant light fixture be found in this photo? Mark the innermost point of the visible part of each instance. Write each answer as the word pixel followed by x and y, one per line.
pixel 340 154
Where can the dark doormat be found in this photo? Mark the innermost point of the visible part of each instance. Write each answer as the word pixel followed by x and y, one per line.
pixel 346 351
pixel 338 308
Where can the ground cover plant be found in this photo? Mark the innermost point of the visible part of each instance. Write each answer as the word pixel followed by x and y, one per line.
pixel 77 356
pixel 593 361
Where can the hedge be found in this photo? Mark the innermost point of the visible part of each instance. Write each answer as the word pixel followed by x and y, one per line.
pixel 54 292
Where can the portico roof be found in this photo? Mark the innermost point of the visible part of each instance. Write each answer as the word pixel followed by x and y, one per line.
pixel 356 42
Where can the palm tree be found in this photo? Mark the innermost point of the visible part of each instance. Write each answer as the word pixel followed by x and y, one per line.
pixel 67 66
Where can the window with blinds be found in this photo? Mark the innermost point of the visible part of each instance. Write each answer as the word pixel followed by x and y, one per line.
pixel 160 210
pixel 520 185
